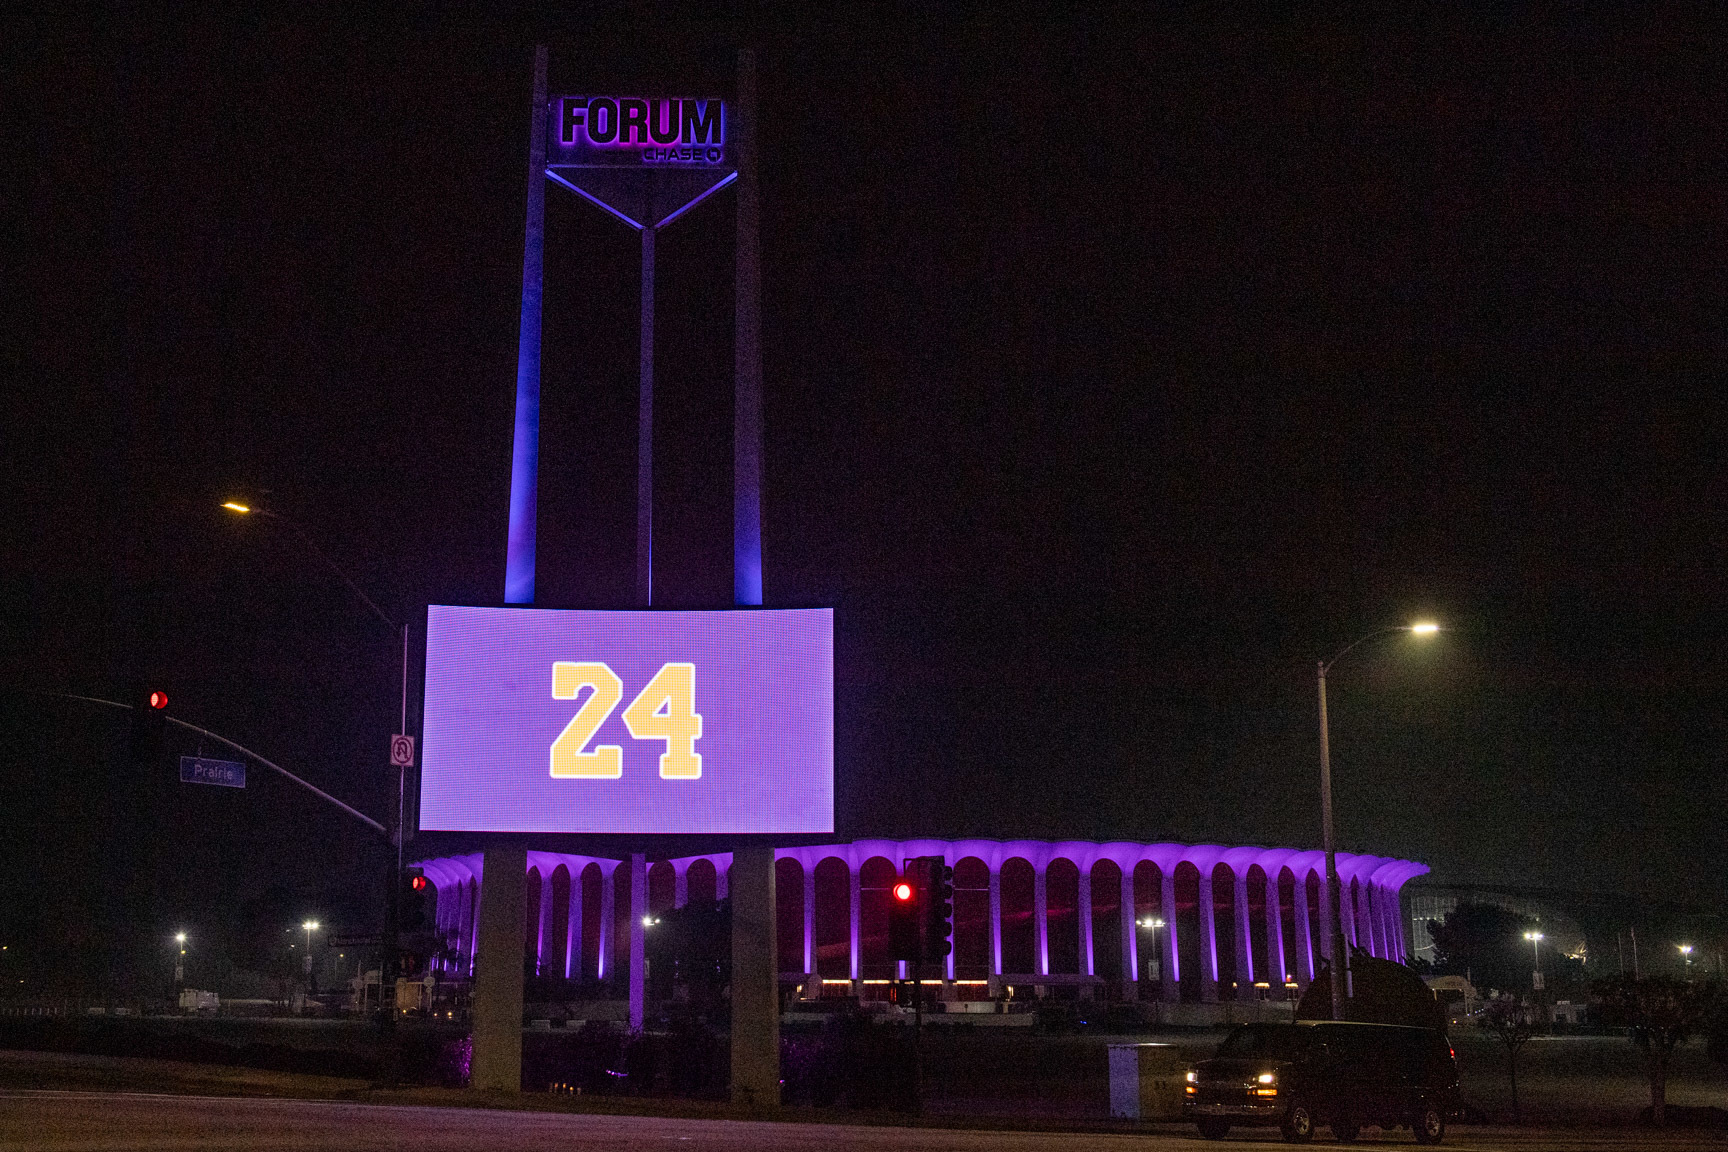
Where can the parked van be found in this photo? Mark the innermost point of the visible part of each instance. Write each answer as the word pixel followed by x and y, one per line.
pixel 1296 1077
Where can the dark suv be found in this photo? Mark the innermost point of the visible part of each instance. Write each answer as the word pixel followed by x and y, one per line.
pixel 1298 1076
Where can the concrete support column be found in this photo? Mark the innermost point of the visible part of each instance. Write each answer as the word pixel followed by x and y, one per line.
pixel 604 963
pixel 1367 898
pixel 722 881
pixel 573 929
pixel 1040 923
pixel 638 940
pixel 995 922
pixel 855 900
pixel 1403 921
pixel 497 1052
pixel 1208 942
pixel 810 922
pixel 755 984
pixel 1276 965
pixel 680 886
pixel 1130 940
pixel 1243 915
pixel 1170 970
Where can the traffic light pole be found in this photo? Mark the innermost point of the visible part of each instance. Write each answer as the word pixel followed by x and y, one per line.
pixel 918 1036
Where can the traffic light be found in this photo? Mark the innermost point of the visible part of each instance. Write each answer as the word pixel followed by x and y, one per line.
pixel 903 918
pixel 149 722
pixel 938 909
pixel 416 894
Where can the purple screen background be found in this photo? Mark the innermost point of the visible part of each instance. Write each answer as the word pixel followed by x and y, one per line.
pixel 764 689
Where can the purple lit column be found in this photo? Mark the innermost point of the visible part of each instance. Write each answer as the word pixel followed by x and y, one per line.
pixel 1244 931
pixel 810 921
pixel 1276 968
pixel 1208 942
pixel 995 922
pixel 855 901
pixel 1169 971
pixel 608 904
pixel 1083 913
pixel 573 927
pixel 1304 933
pixel 1041 921
pixel 545 924
pixel 525 445
pixel 1130 942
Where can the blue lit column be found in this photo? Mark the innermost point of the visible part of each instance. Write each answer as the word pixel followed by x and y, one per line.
pixel 525 445
pixel 747 354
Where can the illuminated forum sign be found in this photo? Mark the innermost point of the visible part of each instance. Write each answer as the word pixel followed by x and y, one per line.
pixel 628 722
pixel 635 131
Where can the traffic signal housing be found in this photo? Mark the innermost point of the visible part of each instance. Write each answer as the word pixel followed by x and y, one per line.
pixel 903 922
pixel 416 895
pixel 938 909
pixel 149 724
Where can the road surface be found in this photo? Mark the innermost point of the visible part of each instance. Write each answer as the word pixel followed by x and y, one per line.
pixel 137 1122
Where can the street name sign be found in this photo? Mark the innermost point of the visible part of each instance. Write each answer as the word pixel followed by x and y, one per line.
pixel 222 773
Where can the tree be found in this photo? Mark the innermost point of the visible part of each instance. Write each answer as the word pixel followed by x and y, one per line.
pixel 1485 943
pixel 1514 1021
pixel 1658 1014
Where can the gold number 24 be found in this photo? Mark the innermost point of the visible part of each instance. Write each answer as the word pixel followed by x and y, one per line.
pixel 664 710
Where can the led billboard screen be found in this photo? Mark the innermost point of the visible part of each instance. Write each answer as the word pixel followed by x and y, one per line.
pixel 541 720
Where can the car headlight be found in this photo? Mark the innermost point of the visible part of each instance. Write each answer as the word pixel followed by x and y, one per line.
pixel 1268 1077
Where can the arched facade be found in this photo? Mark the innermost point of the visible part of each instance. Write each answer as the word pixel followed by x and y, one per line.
pixel 1179 921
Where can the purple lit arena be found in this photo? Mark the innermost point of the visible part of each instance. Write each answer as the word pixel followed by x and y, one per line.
pixel 1203 922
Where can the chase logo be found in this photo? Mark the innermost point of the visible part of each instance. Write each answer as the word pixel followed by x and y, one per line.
pixel 665 130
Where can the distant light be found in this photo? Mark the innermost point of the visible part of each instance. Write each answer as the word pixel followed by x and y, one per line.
pixel 1268 1077
pixel 1685 949
pixel 179 937
pixel 158 700
pixel 1425 628
pixel 310 925
pixel 1534 936
pixel 902 891
pixel 649 921
pixel 232 506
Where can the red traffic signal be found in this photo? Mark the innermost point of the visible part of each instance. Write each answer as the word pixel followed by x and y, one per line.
pixel 903 892
pixel 419 883
pixel 157 700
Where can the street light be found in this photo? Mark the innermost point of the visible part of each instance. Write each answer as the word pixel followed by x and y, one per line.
pixel 1535 939
pixel 1153 923
pixel 1686 951
pixel 311 926
pixel 180 959
pixel 1331 916
pixel 393 889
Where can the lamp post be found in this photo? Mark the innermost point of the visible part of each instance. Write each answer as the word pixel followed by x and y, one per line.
pixel 393 888
pixel 1685 951
pixel 311 926
pixel 179 959
pixel 1535 939
pixel 1331 917
pixel 1154 923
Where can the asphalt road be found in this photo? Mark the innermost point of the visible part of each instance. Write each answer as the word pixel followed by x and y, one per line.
pixel 99 1122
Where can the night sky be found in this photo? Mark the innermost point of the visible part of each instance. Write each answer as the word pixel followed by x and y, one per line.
pixel 1119 365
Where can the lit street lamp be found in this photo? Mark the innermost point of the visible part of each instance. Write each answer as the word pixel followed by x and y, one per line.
pixel 1153 923
pixel 311 926
pixel 1331 916
pixel 179 959
pixel 1686 952
pixel 393 889
pixel 1535 939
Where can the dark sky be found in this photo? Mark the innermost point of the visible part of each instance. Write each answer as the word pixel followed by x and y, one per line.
pixel 1120 363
